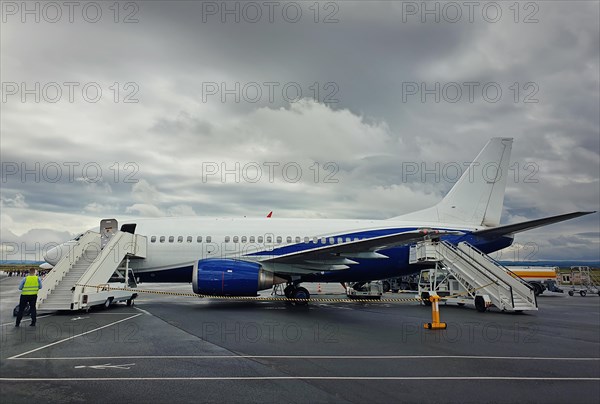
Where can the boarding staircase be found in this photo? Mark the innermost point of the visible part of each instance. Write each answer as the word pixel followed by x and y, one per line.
pixel 479 274
pixel 89 261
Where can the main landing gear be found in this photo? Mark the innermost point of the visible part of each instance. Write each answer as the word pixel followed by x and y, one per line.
pixel 292 291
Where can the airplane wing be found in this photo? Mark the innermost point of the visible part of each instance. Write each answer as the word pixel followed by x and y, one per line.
pixel 339 256
pixel 531 224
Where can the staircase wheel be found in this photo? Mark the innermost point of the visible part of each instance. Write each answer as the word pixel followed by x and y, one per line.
pixel 425 298
pixel 480 304
pixel 108 302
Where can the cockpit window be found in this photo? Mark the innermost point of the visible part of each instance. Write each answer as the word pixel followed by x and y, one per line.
pixel 77 237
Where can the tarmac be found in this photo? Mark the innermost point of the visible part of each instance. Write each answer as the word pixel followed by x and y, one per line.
pixel 185 349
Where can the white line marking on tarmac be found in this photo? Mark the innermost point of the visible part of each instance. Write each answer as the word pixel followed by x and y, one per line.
pixel 395 357
pixel 27 319
pixel 113 314
pixel 48 315
pixel 143 311
pixel 73 337
pixel 269 378
pixel 125 366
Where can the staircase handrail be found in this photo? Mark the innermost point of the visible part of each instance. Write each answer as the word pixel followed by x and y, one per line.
pixel 118 247
pixel 494 279
pixel 500 271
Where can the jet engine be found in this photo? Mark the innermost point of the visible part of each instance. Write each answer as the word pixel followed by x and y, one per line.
pixel 229 277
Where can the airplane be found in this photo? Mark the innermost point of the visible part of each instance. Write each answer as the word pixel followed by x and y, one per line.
pixel 241 256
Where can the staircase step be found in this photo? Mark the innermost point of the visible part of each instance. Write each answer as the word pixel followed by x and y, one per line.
pixel 58 301
pixel 55 307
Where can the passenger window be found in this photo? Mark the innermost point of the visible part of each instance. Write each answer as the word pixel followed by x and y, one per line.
pixel 236 239
pixel 279 239
pixel 180 239
pixel 269 239
pixel 189 239
pixel 289 239
pixel 306 239
pixel 162 239
pixel 260 239
pixel 153 239
pixel 208 239
pixel 252 239
pixel 340 240
pixel 315 239
pixel 298 239
pixel 331 240
pixel 348 239
pixel 199 239
pixel 171 239
pixel 244 239
pixel 227 239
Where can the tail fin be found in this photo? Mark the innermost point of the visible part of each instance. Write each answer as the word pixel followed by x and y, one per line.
pixel 477 198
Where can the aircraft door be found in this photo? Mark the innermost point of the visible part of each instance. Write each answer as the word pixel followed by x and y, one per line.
pixel 108 228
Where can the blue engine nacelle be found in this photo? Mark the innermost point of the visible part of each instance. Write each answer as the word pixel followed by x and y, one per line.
pixel 228 277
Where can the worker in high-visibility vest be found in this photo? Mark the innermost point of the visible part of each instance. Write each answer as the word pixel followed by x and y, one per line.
pixel 29 287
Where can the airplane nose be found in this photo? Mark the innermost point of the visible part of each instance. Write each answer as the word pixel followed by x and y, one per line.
pixel 54 254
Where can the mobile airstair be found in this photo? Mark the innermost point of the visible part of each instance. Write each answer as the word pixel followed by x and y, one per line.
pixel 81 278
pixel 482 278
pixel 583 281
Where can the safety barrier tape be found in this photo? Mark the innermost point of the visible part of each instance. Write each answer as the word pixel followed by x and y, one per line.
pixel 274 298
pixel 252 298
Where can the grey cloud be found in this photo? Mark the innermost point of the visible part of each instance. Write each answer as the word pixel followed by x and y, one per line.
pixel 370 133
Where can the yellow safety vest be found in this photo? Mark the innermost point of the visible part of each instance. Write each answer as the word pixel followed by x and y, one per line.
pixel 31 286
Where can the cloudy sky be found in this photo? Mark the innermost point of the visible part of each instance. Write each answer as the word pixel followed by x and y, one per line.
pixel 309 109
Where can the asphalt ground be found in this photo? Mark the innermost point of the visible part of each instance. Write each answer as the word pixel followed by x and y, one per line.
pixel 181 349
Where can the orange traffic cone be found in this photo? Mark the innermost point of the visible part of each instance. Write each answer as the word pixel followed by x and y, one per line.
pixel 319 288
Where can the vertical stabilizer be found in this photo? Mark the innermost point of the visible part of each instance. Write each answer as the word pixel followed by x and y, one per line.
pixel 477 198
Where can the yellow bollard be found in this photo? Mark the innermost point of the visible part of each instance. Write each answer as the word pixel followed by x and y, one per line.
pixel 435 315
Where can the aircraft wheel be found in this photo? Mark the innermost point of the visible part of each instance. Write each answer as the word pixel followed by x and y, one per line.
pixel 571 293
pixel 582 293
pixel 537 289
pixel 301 293
pixel 289 289
pixel 129 302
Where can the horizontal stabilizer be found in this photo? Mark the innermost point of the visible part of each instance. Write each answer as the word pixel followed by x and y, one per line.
pixel 531 224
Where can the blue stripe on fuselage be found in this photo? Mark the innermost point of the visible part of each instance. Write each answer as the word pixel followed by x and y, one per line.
pixel 365 234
